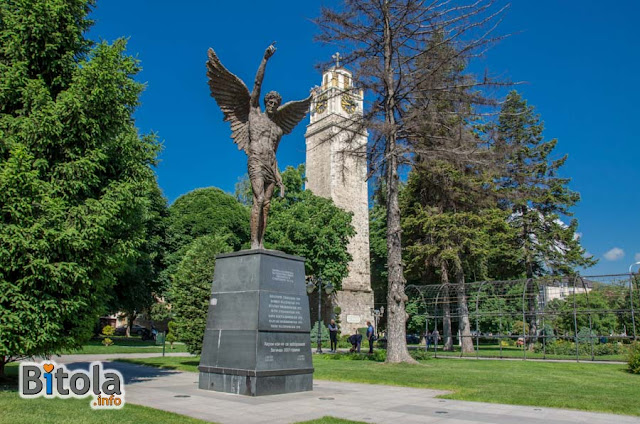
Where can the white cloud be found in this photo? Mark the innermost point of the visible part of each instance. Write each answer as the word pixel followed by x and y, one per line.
pixel 614 254
pixel 638 257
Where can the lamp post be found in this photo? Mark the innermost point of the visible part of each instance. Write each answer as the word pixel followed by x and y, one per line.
pixel 377 313
pixel 312 284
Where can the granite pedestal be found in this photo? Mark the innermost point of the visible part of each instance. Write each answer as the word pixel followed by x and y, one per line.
pixel 257 337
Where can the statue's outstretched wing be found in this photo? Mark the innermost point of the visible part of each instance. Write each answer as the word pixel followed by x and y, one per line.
pixel 291 113
pixel 232 97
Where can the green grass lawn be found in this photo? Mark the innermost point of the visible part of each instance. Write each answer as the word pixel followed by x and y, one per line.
pixel 494 351
pixel 589 387
pixel 127 345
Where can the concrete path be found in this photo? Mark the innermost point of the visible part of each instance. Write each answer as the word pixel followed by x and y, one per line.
pixel 178 392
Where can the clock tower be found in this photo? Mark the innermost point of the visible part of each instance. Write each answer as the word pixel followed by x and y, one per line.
pixel 336 168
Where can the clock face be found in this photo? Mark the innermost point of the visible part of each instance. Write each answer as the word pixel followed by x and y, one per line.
pixel 321 103
pixel 348 103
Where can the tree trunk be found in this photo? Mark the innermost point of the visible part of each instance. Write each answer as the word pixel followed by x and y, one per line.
pixel 131 316
pixel 3 360
pixel 464 326
pixel 396 297
pixel 446 309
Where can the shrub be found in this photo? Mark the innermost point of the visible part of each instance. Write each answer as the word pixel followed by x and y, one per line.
pixel 343 341
pixel 634 358
pixel 108 330
pixel 171 336
pixel 419 354
pixel 336 312
pixel 585 335
pixel 564 347
pixel 615 348
pixel 548 332
pixel 324 332
pixel 107 341
pixel 517 328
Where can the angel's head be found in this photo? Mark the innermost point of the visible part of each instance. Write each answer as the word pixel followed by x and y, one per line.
pixel 272 101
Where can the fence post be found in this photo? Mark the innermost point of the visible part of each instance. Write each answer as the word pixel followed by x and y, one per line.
pixel 544 329
pixel 586 293
pixel 575 321
pixel 478 322
pixel 524 320
pixel 633 318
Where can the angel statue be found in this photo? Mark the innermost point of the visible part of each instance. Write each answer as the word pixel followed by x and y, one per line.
pixel 255 132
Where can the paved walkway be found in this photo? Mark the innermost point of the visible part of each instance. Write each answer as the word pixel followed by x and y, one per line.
pixel 178 392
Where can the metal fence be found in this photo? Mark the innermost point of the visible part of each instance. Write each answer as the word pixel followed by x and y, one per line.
pixel 576 317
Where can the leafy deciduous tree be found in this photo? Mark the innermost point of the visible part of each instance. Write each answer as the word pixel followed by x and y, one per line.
pixel 204 211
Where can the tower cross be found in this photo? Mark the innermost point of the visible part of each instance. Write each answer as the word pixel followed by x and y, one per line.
pixel 336 57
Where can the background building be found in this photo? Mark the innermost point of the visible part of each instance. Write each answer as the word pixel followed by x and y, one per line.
pixel 336 168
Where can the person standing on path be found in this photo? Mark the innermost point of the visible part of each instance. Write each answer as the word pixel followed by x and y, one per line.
pixel 370 336
pixel 333 335
pixel 427 339
pixel 436 338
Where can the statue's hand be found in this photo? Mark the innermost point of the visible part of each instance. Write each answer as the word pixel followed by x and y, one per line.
pixel 270 51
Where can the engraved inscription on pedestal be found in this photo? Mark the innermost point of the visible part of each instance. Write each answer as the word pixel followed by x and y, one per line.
pixel 280 311
pixel 276 352
pixel 282 276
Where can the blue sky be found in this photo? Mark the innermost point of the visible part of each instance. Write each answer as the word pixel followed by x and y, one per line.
pixel 579 62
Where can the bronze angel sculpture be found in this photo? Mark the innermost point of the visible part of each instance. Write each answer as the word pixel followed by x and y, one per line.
pixel 255 132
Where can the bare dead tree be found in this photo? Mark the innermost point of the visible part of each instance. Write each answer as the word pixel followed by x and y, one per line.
pixel 388 44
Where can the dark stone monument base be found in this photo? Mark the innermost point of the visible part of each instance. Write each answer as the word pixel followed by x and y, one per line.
pixel 257 337
pixel 256 385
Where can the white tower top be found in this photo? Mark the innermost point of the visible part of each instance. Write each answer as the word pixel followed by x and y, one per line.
pixel 336 95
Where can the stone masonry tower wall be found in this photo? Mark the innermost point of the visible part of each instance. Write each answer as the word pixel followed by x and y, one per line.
pixel 336 168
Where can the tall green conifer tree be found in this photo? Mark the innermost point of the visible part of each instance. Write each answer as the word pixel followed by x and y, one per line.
pixel 536 195
pixel 74 175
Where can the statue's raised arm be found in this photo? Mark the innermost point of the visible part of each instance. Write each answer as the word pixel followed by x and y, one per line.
pixel 255 132
pixel 257 85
